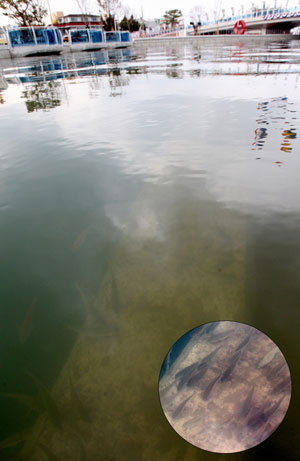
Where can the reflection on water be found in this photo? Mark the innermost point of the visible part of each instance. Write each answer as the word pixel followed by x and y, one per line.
pixel 279 113
pixel 129 220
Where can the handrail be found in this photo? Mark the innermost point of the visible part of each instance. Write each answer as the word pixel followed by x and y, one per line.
pixel 264 12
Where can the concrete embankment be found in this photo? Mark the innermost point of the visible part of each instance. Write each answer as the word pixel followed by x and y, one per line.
pixel 230 38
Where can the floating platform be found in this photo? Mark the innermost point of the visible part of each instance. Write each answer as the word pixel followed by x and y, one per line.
pixel 36 41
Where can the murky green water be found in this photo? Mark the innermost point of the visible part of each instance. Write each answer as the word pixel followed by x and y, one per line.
pixel 142 193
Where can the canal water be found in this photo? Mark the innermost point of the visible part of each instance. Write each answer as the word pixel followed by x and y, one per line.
pixel 143 192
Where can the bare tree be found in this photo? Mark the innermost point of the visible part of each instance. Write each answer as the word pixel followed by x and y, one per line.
pixel 216 9
pixel 84 6
pixel 110 8
pixel 198 12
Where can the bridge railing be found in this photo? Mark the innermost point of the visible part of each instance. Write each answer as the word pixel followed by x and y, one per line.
pixel 162 32
pixel 256 14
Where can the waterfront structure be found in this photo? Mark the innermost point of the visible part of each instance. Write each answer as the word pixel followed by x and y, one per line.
pixel 78 21
pixel 29 41
pixel 258 21
pixel 95 39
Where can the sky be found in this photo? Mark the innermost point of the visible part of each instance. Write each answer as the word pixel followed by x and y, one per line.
pixel 156 8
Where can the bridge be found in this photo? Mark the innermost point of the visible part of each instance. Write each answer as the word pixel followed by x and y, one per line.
pixel 259 21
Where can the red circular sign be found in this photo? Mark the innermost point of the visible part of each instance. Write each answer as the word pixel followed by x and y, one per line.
pixel 239 27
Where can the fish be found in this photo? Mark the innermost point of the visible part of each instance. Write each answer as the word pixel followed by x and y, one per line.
pixel 115 299
pixel 247 404
pixel 243 343
pixel 257 420
pixel 47 401
pixel 26 328
pixel 210 355
pixel 15 439
pixel 28 400
pixel 206 393
pixel 90 305
pixel 168 359
pixel 262 416
pixel 81 409
pixel 193 369
pixel 84 298
pixel 268 413
pixel 282 386
pixel 50 455
pixel 196 377
pixel 88 333
pixel 178 412
pixel 216 338
pixel 82 449
pixel 26 453
pixel 191 422
pixel 267 358
pixel 274 372
pixel 80 239
pixel 226 373
pixel 186 370
pixel 165 390
pixel 211 327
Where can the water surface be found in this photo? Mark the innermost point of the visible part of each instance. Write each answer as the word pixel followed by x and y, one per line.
pixel 143 192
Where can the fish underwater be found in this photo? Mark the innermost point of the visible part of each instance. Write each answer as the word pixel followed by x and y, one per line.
pixel 15 439
pixel 283 386
pixel 196 369
pixel 269 412
pixel 46 400
pixel 115 298
pixel 211 327
pixel 196 377
pixel 81 238
pixel 191 422
pixel 207 391
pixel 50 455
pixel 26 328
pixel 80 407
pixel 243 343
pixel 218 337
pixel 267 358
pixel 90 306
pixel 262 416
pixel 186 370
pixel 247 404
pixel 31 402
pixel 227 373
pixel 274 372
pixel 179 410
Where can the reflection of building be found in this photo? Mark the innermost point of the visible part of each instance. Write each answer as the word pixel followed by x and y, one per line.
pixel 78 21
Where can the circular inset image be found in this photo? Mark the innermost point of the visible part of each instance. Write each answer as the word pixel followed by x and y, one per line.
pixel 225 387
